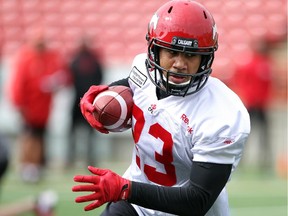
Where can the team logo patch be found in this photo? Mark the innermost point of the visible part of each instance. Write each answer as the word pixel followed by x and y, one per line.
pixel 214 28
pixel 137 77
pixel 154 21
pixel 152 108
pixel 185 42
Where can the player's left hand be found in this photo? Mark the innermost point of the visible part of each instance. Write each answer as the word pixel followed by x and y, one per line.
pixel 106 186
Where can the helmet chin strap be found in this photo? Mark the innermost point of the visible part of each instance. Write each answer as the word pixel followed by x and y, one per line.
pixel 179 88
pixel 180 85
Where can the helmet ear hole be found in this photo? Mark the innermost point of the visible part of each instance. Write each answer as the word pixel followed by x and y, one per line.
pixel 147 37
pixel 205 15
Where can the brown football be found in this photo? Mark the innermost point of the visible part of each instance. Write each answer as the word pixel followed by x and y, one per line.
pixel 114 108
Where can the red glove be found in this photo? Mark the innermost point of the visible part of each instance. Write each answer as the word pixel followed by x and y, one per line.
pixel 87 108
pixel 106 186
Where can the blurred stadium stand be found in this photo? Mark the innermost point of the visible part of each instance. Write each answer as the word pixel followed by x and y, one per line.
pixel 119 26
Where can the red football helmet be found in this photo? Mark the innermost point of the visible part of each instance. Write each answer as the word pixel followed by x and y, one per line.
pixel 182 26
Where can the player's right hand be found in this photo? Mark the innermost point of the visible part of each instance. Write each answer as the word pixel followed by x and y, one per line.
pixel 105 185
pixel 87 108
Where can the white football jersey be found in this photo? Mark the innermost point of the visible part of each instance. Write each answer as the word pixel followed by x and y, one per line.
pixel 211 125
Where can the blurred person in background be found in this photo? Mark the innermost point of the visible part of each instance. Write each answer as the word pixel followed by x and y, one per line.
pixel 41 205
pixel 252 81
pixel 38 73
pixel 4 159
pixel 86 68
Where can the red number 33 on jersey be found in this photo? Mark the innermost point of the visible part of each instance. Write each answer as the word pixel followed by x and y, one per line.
pixel 166 158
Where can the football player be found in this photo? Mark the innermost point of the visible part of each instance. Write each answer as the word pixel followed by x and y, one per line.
pixel 189 128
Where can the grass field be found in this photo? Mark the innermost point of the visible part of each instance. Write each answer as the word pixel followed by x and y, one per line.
pixel 250 193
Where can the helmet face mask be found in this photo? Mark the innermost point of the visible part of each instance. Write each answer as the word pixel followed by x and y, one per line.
pixel 169 29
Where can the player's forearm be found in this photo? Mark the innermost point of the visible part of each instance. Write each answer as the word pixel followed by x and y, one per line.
pixel 204 187
pixel 168 199
pixel 123 82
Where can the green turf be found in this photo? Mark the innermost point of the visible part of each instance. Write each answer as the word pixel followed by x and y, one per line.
pixel 250 193
pixel 254 193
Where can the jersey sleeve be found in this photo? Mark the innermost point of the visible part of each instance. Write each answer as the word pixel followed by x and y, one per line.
pixel 223 148
pixel 123 82
pixel 221 134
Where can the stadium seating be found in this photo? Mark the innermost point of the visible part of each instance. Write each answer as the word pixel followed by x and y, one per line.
pixel 120 26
